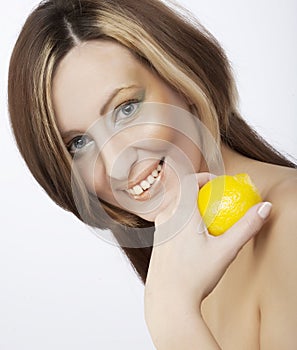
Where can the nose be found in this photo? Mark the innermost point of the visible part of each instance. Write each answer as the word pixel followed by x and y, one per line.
pixel 118 156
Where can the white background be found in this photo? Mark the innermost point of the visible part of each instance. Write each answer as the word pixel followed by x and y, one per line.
pixel 61 287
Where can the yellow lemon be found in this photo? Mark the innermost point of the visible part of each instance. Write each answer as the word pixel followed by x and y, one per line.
pixel 224 200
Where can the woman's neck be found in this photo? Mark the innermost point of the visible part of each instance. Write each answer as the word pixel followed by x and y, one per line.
pixel 265 176
pixel 235 162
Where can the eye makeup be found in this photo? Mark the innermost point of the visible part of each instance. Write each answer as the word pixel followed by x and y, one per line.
pixel 120 115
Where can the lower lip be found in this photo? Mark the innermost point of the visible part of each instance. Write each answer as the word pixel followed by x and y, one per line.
pixel 147 194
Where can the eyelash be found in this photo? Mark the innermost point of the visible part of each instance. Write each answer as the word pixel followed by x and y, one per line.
pixel 116 111
pixel 70 143
pixel 121 106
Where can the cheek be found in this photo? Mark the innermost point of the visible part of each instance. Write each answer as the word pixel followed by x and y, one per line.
pixel 190 149
pixel 186 143
pixel 92 174
pixel 176 142
pixel 159 132
pixel 152 137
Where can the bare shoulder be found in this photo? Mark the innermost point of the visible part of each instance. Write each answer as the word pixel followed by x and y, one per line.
pixel 279 234
pixel 276 260
pixel 282 193
pixel 284 214
pixel 284 199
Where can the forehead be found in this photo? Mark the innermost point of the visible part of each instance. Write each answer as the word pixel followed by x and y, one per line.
pixel 91 55
pixel 86 76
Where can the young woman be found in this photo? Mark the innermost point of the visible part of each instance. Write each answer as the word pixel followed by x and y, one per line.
pixel 122 110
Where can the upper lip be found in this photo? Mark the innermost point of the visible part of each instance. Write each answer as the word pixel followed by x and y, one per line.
pixel 142 176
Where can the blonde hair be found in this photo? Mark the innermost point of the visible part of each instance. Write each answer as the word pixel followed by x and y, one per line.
pixel 172 44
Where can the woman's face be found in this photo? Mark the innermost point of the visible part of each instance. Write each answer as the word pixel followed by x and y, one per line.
pixel 131 135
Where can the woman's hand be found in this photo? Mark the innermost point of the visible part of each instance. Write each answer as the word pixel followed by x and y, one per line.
pixel 186 262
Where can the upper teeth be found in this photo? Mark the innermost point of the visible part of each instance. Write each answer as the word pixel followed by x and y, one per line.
pixel 145 184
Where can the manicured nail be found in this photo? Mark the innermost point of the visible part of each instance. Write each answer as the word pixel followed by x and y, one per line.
pixel 265 210
pixel 212 176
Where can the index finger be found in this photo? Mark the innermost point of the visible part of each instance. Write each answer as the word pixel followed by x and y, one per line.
pixel 204 177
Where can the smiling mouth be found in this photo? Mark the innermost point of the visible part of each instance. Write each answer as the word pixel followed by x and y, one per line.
pixel 139 190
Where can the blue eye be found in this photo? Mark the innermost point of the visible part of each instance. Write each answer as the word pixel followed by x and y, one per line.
pixel 126 110
pixel 78 143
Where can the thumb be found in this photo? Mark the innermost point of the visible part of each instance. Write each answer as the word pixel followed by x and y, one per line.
pixel 246 228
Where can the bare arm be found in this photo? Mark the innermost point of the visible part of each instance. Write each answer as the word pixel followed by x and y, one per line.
pixel 174 324
pixel 185 268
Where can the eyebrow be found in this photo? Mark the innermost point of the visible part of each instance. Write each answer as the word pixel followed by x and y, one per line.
pixel 65 135
pixel 113 94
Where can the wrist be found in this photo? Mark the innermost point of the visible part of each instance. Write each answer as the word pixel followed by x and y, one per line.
pixel 173 302
pixel 180 328
pixel 169 310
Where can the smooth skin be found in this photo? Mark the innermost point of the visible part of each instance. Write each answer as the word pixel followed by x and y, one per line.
pixel 186 253
pixel 236 291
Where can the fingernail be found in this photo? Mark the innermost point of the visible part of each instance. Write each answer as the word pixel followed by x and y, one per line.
pixel 212 176
pixel 265 210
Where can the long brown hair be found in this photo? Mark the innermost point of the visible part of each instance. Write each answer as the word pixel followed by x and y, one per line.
pixel 172 43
